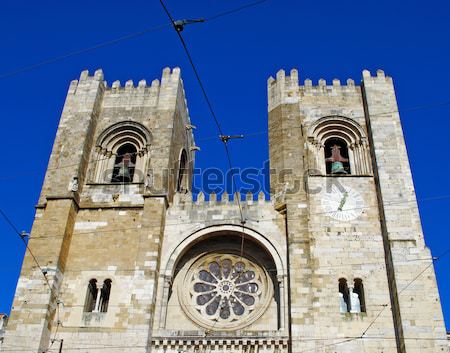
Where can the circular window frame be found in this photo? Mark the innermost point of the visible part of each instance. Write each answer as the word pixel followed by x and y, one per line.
pixel 194 311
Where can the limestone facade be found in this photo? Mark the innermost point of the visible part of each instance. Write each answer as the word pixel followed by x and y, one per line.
pixel 328 264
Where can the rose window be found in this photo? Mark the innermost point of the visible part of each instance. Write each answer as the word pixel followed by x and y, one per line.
pixel 225 291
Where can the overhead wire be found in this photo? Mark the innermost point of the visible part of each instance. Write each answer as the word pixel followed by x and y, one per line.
pixel 222 220
pixel 82 51
pixel 52 292
pixel 85 345
pixel 362 336
pixel 117 40
pixel 178 29
pixel 236 10
pixel 297 338
pixel 370 325
pixel 218 125
pixel 248 134
pixel 275 270
pixel 22 238
pixel 58 324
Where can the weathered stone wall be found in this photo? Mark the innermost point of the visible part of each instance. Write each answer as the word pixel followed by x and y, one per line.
pixel 419 306
pixel 189 225
pixel 349 250
pixel 383 246
pixel 100 230
pixel 143 236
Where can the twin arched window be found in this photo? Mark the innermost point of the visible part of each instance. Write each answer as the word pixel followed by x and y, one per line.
pixel 339 146
pixel 351 299
pixel 97 296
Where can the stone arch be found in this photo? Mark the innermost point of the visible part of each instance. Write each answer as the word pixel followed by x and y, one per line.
pixel 112 139
pixel 182 257
pixel 207 232
pixel 347 130
pixel 131 131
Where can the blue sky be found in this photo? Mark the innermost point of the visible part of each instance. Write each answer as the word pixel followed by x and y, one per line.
pixel 235 55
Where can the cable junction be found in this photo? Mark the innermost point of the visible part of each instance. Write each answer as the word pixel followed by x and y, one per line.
pixel 226 138
pixel 179 24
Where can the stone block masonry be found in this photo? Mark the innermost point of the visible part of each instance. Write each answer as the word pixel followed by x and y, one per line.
pixel 329 264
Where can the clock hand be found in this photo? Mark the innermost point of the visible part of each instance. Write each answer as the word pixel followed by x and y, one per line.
pixel 343 201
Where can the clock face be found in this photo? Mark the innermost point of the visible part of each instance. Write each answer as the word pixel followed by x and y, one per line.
pixel 342 203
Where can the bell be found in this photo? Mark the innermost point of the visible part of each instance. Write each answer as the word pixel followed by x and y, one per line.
pixel 336 160
pixel 124 173
pixel 337 168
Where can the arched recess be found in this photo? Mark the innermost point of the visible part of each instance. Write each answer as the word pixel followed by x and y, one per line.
pixel 111 141
pixel 349 132
pixel 220 244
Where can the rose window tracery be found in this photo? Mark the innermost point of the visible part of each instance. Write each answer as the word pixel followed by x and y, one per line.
pixel 225 291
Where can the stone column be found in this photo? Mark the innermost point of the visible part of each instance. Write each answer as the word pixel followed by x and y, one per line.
pixel 281 279
pixel 97 299
pixel 165 301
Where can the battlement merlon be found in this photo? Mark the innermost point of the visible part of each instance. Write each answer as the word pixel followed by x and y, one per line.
pixel 212 199
pixel 288 90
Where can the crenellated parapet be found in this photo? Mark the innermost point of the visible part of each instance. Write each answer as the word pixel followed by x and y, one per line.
pixel 287 89
pixel 223 199
pixel 380 77
pixel 252 209
pixel 157 93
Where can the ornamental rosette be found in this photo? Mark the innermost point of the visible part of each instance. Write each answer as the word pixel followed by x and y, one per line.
pixel 225 291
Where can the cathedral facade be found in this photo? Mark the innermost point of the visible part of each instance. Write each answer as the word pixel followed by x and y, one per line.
pixel 335 261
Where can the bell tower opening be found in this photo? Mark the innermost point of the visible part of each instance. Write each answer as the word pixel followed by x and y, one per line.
pixel 336 156
pixel 124 164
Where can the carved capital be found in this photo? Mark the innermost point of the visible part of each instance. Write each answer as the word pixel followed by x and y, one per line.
pixel 167 281
pixel 280 279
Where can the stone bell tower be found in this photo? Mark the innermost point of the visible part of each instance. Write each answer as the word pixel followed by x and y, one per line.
pixel 120 154
pixel 354 234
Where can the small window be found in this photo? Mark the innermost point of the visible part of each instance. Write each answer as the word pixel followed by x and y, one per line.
pixel 91 296
pixel 124 164
pixel 358 301
pixel 97 299
pixel 336 156
pixel 182 173
pixel 344 296
pixel 104 296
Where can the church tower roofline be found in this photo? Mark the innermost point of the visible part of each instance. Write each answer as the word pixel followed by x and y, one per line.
pixel 288 89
